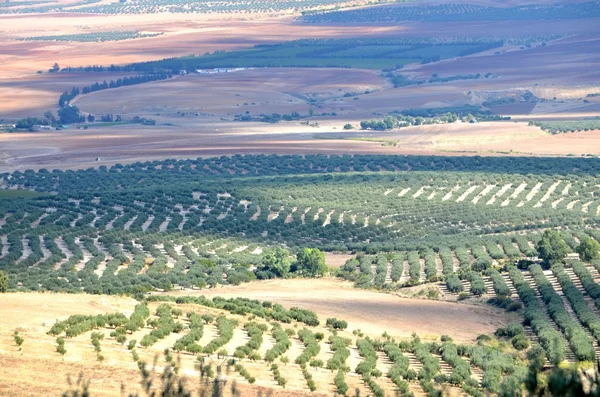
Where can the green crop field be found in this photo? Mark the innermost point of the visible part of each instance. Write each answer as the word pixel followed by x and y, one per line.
pixel 94 37
pixel 345 53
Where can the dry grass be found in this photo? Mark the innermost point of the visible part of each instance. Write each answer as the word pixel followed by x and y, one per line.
pixel 372 312
pixel 26 372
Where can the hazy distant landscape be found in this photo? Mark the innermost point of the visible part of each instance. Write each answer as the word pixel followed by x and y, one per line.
pixel 299 197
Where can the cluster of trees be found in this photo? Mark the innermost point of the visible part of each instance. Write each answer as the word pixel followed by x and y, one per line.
pixel 162 327
pixel 399 372
pixel 78 324
pixel 244 372
pixel 460 368
pixel 334 323
pixel 367 368
pixel 403 119
pixel 437 79
pixel 431 365
pixel 587 281
pixel 164 195
pixel 584 313
pixel 579 342
pixel 340 383
pixel 225 328
pixel 3 282
pixel 282 343
pixel 384 53
pixel 281 381
pixel 535 380
pixel 188 341
pixel 311 346
pixel 255 333
pixel 550 339
pixel 242 306
pixel 310 383
pixel 339 347
pixel 219 7
pixel 561 127
pixel 67 96
pixel 269 118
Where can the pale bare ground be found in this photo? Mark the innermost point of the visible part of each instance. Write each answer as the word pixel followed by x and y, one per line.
pixel 80 149
pixel 257 91
pixel 335 260
pixel 372 312
pixel 26 373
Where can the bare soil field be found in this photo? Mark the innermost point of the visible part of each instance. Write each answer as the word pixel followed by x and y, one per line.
pixel 96 146
pixel 516 138
pixel 265 90
pixel 370 311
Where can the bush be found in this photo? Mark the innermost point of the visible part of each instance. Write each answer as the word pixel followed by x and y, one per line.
pixel 454 284
pixel 336 324
pixel 520 342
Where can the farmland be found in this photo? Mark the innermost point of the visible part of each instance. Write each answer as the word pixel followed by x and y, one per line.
pixel 156 6
pixel 273 348
pixel 299 197
pixel 561 127
pixel 349 53
pixel 455 13
pixel 453 228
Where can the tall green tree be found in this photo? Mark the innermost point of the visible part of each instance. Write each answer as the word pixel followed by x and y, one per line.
pixel 310 262
pixel 275 264
pixel 3 282
pixel 69 115
pixel 552 247
pixel 588 249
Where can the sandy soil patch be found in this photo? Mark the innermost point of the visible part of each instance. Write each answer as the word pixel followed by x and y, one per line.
pixel 335 260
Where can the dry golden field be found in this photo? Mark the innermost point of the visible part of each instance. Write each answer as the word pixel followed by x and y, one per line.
pixel 25 372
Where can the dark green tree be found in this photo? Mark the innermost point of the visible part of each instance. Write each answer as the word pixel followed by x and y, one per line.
pixel 310 262
pixel 69 114
pixel 276 264
pixel 588 249
pixel 552 247
pixel 3 282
